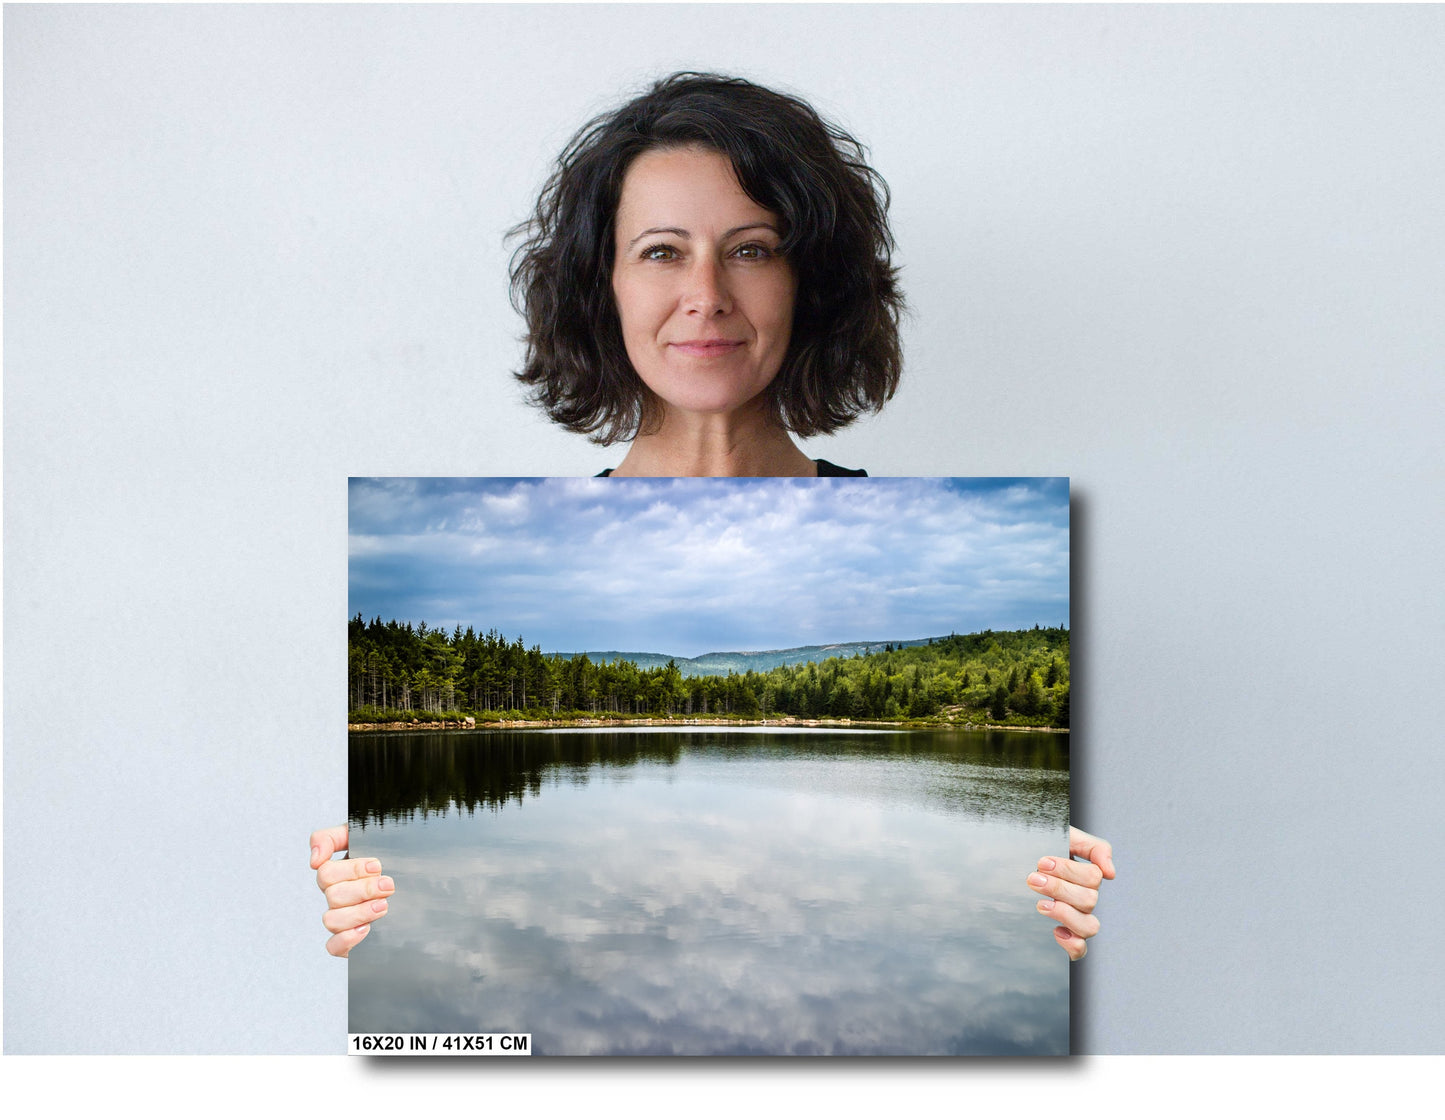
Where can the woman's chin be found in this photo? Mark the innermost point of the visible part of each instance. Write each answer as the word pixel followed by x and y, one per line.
pixel 707 397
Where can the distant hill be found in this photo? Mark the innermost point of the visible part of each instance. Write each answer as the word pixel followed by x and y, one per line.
pixel 759 661
pixel 1018 678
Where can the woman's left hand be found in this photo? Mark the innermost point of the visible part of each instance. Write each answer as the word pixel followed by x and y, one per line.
pixel 1071 889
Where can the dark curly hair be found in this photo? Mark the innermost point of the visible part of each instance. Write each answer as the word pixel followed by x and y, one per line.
pixel 844 356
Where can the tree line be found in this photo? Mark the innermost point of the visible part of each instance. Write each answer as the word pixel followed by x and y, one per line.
pixel 397 671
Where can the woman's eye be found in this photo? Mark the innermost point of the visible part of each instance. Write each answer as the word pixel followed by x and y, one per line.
pixel 752 251
pixel 659 253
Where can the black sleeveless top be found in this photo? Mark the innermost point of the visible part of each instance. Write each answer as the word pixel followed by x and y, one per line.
pixel 825 470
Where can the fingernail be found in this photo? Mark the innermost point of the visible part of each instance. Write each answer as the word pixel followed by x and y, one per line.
pixel 1061 933
pixel 1046 904
pixel 1046 864
pixel 386 884
pixel 379 906
pixel 373 866
pixel 1037 880
pixel 314 853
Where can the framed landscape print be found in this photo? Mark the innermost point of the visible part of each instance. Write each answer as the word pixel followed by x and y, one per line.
pixel 711 766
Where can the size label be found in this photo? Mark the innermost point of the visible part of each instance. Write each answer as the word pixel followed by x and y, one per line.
pixel 441 1045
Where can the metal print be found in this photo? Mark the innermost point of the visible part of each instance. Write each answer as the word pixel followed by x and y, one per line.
pixel 711 766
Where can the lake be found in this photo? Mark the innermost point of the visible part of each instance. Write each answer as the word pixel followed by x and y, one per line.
pixel 710 890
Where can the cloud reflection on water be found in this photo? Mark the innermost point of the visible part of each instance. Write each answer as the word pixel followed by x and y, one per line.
pixel 721 905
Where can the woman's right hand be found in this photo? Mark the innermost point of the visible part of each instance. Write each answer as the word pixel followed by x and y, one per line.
pixel 356 890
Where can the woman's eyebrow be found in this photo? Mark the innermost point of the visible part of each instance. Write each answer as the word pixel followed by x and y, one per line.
pixel 751 225
pixel 682 233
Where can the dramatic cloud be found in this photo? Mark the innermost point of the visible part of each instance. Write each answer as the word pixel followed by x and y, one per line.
pixel 690 566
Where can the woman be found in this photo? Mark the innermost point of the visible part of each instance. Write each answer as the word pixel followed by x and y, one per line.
pixel 706 275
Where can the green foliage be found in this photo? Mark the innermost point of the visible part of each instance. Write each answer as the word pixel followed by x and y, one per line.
pixel 1028 698
pixel 411 673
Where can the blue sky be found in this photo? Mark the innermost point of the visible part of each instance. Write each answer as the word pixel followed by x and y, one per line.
pixel 696 565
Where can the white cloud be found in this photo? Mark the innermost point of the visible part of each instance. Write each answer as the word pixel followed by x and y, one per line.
pixel 728 562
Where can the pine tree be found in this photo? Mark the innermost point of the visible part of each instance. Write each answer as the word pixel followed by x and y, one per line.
pixel 1033 696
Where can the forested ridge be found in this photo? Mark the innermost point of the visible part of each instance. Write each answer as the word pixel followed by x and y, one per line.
pixel 401 672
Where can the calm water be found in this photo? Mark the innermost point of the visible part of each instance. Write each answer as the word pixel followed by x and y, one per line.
pixel 710 891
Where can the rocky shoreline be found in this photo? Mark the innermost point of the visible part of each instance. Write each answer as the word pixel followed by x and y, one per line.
pixel 470 723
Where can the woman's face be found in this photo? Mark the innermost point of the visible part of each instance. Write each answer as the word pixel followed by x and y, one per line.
pixel 705 299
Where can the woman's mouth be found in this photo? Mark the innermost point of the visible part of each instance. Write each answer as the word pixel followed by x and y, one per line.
pixel 705 347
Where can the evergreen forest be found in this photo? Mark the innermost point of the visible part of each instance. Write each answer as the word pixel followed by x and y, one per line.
pixel 398 672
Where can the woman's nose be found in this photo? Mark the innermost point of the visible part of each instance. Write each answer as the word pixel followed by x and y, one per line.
pixel 707 290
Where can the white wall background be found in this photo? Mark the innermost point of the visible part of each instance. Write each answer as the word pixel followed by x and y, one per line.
pixel 1192 257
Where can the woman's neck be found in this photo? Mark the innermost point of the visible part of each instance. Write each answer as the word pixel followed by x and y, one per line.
pixel 748 442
